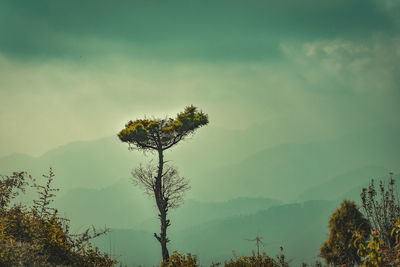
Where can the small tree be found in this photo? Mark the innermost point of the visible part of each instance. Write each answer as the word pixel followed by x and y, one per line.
pixel 163 182
pixel 383 209
pixel 339 248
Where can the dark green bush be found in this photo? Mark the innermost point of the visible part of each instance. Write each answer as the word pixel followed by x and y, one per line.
pixel 339 248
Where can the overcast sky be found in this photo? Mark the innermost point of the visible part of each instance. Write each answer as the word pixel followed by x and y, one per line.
pixel 296 70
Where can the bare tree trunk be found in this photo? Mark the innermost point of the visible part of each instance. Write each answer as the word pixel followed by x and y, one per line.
pixel 162 205
pixel 164 240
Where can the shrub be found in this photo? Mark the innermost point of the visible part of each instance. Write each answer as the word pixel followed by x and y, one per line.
pixel 375 252
pixel 382 208
pixel 177 259
pixel 256 260
pixel 339 249
pixel 38 236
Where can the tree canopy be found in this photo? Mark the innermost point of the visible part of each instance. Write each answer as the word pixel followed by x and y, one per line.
pixel 162 134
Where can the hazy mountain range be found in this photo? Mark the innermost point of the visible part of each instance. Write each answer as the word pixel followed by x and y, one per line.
pixel 284 193
pixel 299 228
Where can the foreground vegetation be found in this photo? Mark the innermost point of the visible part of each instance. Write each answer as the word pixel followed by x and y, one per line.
pixel 190 260
pixel 366 236
pixel 37 236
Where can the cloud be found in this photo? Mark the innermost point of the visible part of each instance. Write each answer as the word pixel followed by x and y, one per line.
pixel 181 30
pixel 302 97
pixel 295 72
pixel 367 67
pixel 356 82
pixel 45 104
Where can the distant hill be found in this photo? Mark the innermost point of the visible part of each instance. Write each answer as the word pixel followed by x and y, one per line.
pixel 123 205
pixel 219 168
pixel 299 228
pixel 193 212
pixel 285 171
pixel 120 205
pixel 95 189
pixel 349 185
pixel 338 186
pixel 354 192
pixel 87 164
pixel 100 163
pixel 131 247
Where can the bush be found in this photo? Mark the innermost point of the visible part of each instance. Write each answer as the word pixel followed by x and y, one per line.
pixel 37 236
pixel 177 259
pixel 382 208
pixel 339 249
pixel 375 252
pixel 257 260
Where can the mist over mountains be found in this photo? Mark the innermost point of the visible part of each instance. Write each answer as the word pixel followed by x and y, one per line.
pixel 301 98
pixel 299 228
pixel 218 164
pixel 284 193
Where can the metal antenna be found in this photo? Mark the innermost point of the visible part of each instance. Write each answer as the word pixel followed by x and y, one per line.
pixel 258 242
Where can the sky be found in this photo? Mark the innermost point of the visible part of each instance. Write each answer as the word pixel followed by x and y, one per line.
pixel 295 71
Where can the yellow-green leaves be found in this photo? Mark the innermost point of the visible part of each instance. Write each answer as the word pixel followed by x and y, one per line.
pixel 374 250
pixel 177 259
pixel 28 238
pixel 186 121
pixel 191 119
pixel 139 131
pixel 162 134
pixel 396 230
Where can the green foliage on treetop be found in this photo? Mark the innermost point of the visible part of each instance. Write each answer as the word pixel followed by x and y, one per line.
pixel 162 134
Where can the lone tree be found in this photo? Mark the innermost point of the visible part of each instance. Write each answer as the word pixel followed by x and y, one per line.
pixel 163 182
pixel 339 248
